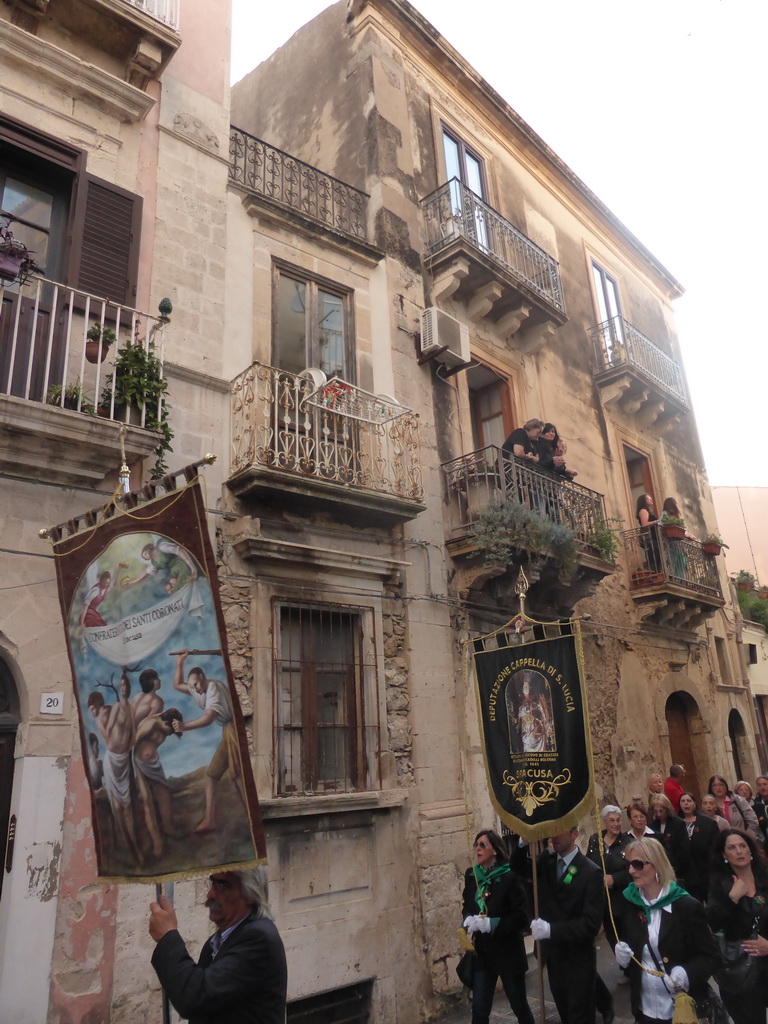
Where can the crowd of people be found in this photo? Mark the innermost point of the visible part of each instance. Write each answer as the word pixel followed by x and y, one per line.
pixel 679 889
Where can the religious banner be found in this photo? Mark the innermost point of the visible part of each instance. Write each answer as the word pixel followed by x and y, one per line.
pixel 535 728
pixel 162 732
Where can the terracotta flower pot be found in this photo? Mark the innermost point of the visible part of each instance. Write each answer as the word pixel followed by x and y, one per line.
pixel 96 351
pixel 10 265
pixel 711 549
pixel 674 532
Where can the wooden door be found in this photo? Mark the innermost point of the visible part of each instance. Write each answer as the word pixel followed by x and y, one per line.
pixel 680 746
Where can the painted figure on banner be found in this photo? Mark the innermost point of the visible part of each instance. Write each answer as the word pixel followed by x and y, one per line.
pixel 151 780
pixel 213 697
pixel 529 710
pixel 160 807
pixel 172 560
pixel 115 724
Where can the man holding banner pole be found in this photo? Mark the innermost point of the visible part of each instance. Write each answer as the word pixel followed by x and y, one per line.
pixel 571 900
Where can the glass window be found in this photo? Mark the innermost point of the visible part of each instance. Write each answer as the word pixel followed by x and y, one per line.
pixel 311 327
pixel 320 707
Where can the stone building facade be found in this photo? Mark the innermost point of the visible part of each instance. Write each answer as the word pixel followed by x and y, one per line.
pixel 361 176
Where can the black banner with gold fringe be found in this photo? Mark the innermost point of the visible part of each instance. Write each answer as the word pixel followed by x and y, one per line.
pixel 535 726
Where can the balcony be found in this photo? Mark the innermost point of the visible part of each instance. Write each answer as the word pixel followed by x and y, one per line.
pixel 138 37
pixel 329 446
pixel 488 476
pixel 281 188
pixel 58 417
pixel 481 259
pixel 636 376
pixel 672 581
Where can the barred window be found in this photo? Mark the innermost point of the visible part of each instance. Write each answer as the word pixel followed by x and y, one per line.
pixel 320 669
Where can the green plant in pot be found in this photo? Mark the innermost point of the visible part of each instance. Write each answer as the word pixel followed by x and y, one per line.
pixel 505 528
pixel 70 396
pixel 140 391
pixel 744 580
pixel 98 339
pixel 673 526
pixel 604 539
pixel 712 544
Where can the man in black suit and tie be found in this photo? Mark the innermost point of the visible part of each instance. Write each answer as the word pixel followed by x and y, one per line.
pixel 241 976
pixel 571 899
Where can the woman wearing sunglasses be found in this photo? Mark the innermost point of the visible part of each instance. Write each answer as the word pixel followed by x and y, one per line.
pixel 495 917
pixel 665 930
pixel 737 907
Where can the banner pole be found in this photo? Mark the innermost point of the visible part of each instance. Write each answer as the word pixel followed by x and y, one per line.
pixel 534 846
pixel 169 893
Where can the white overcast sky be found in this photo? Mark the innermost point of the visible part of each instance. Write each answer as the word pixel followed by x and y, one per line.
pixel 660 107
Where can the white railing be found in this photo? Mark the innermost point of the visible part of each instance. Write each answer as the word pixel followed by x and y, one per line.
pixel 166 11
pixel 45 355
pixel 282 422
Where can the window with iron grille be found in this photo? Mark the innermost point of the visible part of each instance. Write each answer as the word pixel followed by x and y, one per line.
pixel 321 664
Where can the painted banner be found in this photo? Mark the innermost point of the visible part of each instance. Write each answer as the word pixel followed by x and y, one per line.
pixel 535 728
pixel 162 732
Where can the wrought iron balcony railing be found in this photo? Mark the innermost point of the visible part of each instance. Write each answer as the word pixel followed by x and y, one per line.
pixel 453 210
pixel 618 343
pixel 654 559
pixel 46 355
pixel 336 433
pixel 488 475
pixel 276 175
pixel 166 11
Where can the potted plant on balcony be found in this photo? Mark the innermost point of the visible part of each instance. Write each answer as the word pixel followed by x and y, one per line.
pixel 16 262
pixel 74 397
pixel 604 539
pixel 140 392
pixel 744 580
pixel 712 544
pixel 673 526
pixel 97 341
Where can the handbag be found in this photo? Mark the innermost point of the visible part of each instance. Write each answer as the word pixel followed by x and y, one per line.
pixel 465 969
pixel 738 970
pixel 710 1009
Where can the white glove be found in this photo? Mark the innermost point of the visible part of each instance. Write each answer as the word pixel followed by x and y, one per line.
pixel 676 981
pixel 467 922
pixel 477 923
pixel 623 954
pixel 540 929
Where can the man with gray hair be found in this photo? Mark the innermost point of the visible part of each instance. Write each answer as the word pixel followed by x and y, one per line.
pixel 241 975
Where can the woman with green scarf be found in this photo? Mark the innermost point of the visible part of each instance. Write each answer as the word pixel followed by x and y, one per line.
pixel 665 930
pixel 495 916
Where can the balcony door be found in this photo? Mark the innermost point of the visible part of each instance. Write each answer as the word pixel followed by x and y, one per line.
pixel 639 477
pixel 608 315
pixel 466 172
pixel 490 406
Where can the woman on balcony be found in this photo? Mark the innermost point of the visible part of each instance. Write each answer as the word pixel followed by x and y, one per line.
pixel 649 538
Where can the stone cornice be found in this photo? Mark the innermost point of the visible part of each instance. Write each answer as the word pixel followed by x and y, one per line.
pixel 43 60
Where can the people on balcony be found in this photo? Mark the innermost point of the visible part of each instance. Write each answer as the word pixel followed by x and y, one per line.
pixel 649 540
pixel 550 448
pixel 522 441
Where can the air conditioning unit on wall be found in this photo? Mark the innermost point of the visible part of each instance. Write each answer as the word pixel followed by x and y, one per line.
pixel 439 331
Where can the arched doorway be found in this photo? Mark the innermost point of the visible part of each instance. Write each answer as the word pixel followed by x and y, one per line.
pixel 679 710
pixel 739 747
pixel 9 723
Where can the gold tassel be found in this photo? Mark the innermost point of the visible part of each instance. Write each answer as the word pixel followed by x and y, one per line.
pixel 685 1009
pixel 465 939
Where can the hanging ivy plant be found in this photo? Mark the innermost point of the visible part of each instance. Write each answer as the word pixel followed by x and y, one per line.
pixel 138 383
pixel 507 527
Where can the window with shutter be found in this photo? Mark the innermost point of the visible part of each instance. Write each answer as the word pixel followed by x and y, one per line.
pixel 109 234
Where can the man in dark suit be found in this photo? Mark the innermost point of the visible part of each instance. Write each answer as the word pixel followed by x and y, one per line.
pixel 241 976
pixel 571 901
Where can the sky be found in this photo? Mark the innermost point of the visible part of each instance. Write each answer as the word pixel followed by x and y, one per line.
pixel 659 107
